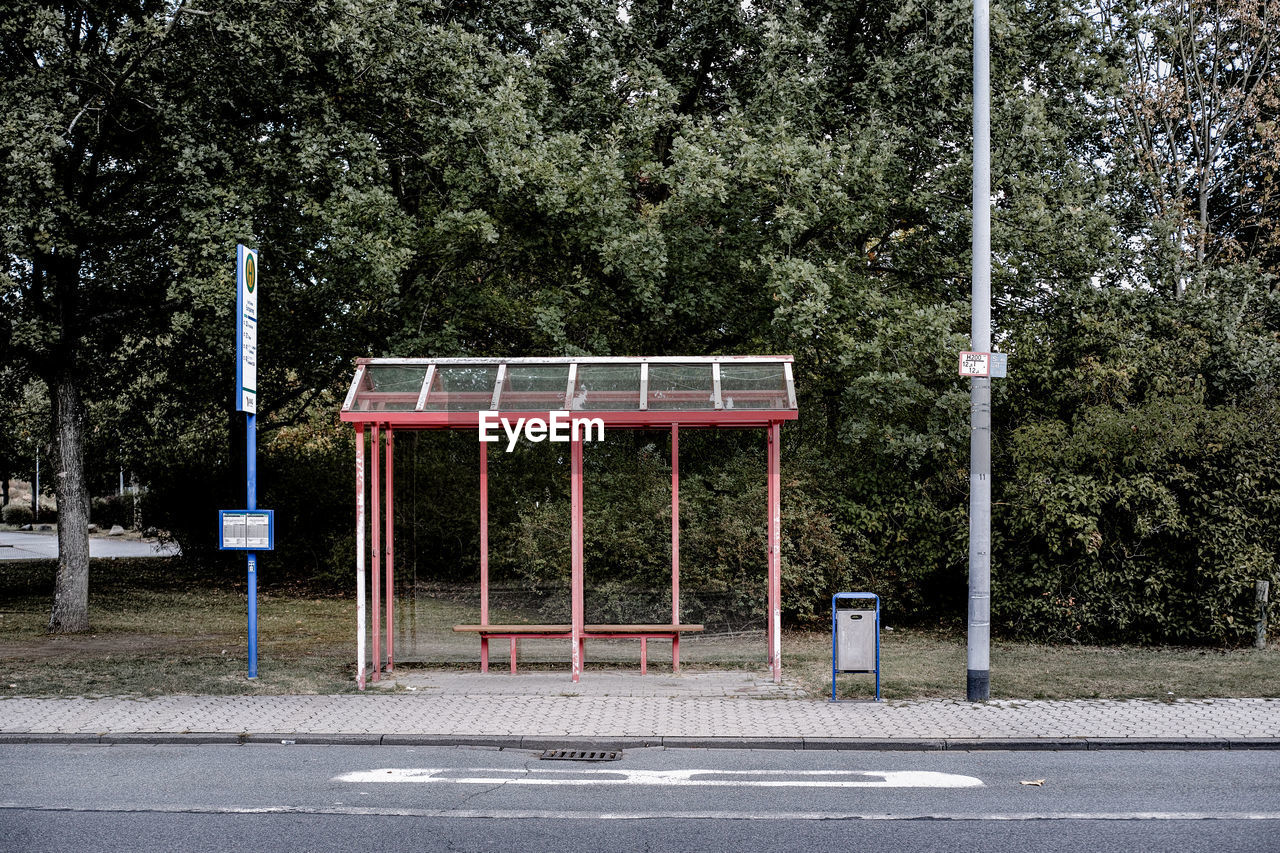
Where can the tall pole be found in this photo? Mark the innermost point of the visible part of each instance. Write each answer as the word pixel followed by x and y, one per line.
pixel 251 495
pixel 774 537
pixel 360 613
pixel 978 676
pixel 247 402
pixel 389 550
pixel 675 545
pixel 375 535
pixel 575 553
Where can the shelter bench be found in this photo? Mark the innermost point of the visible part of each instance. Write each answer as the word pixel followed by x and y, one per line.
pixel 643 633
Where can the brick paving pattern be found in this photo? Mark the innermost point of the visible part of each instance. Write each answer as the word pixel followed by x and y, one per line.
pixel 727 707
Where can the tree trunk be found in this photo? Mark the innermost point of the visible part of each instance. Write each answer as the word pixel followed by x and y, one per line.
pixel 1202 239
pixel 71 594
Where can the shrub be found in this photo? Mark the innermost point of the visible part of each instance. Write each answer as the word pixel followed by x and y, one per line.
pixel 723 558
pixel 16 513
pixel 112 510
pixel 1138 502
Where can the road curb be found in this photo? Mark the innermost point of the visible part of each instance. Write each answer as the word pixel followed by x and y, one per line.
pixel 169 738
pixel 483 741
pixel 868 743
pixel 1016 744
pixel 542 742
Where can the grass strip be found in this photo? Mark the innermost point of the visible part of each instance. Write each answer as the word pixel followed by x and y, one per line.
pixel 161 626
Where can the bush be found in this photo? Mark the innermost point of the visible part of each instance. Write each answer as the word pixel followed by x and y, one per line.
pixel 723 558
pixel 1139 501
pixel 16 513
pixel 112 510
pixel 1150 525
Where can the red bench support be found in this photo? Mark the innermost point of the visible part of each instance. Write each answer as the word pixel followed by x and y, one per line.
pixel 643 633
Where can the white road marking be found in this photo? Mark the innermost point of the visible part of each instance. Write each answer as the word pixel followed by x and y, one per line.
pixel 669 778
pixel 391 811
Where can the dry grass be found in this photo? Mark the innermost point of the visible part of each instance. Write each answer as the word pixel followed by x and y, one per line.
pixel 156 630
pixel 159 629
pixel 918 664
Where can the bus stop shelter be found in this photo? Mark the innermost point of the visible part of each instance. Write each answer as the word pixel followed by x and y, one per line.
pixel 601 393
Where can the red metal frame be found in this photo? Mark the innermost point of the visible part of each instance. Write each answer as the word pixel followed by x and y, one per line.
pixel 576 534
pixel 775 554
pixel 647 419
pixel 388 411
pixel 390 552
pixel 376 537
pixel 484 557
pixel 675 553
pixel 407 407
pixel 360 658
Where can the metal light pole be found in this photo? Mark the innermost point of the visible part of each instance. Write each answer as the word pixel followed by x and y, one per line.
pixel 978 676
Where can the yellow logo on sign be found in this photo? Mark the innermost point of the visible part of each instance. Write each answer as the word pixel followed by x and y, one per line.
pixel 250 272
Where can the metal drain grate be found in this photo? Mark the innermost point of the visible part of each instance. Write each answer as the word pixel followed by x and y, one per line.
pixel 581 755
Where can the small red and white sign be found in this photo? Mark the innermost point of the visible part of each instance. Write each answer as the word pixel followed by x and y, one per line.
pixel 975 364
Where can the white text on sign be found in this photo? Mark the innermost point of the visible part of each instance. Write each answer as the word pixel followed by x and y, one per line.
pixel 561 427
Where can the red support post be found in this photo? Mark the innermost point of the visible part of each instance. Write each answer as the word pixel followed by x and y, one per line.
pixel 675 548
pixel 575 551
pixel 390 546
pixel 484 557
pixel 360 615
pixel 775 553
pixel 376 537
pixel 768 527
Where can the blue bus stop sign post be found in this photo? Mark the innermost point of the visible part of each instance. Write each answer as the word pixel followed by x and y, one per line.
pixel 855 637
pixel 258 535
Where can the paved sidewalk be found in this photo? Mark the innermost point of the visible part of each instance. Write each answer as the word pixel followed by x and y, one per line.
pixel 537 710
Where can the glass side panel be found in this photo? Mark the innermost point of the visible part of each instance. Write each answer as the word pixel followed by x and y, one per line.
pixel 462 388
pixel 607 388
pixel 753 386
pixel 390 388
pixel 681 387
pixel 534 388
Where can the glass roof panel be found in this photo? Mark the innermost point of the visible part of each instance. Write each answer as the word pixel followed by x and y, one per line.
pixel 534 387
pixel 390 388
pixel 682 387
pixel 607 388
pixel 462 388
pixel 753 386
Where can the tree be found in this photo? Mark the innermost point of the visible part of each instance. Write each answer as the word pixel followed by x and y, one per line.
pixel 90 191
pixel 1196 113
pixel 131 134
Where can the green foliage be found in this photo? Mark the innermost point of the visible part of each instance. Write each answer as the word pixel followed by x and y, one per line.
pixel 521 178
pixel 723 559
pixel 1141 501
pixel 16 513
pixel 112 510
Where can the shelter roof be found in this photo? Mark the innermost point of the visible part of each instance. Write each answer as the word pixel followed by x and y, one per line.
pixel 733 391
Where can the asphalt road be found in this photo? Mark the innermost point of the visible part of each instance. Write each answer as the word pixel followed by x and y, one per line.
pixel 321 798
pixel 19 545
